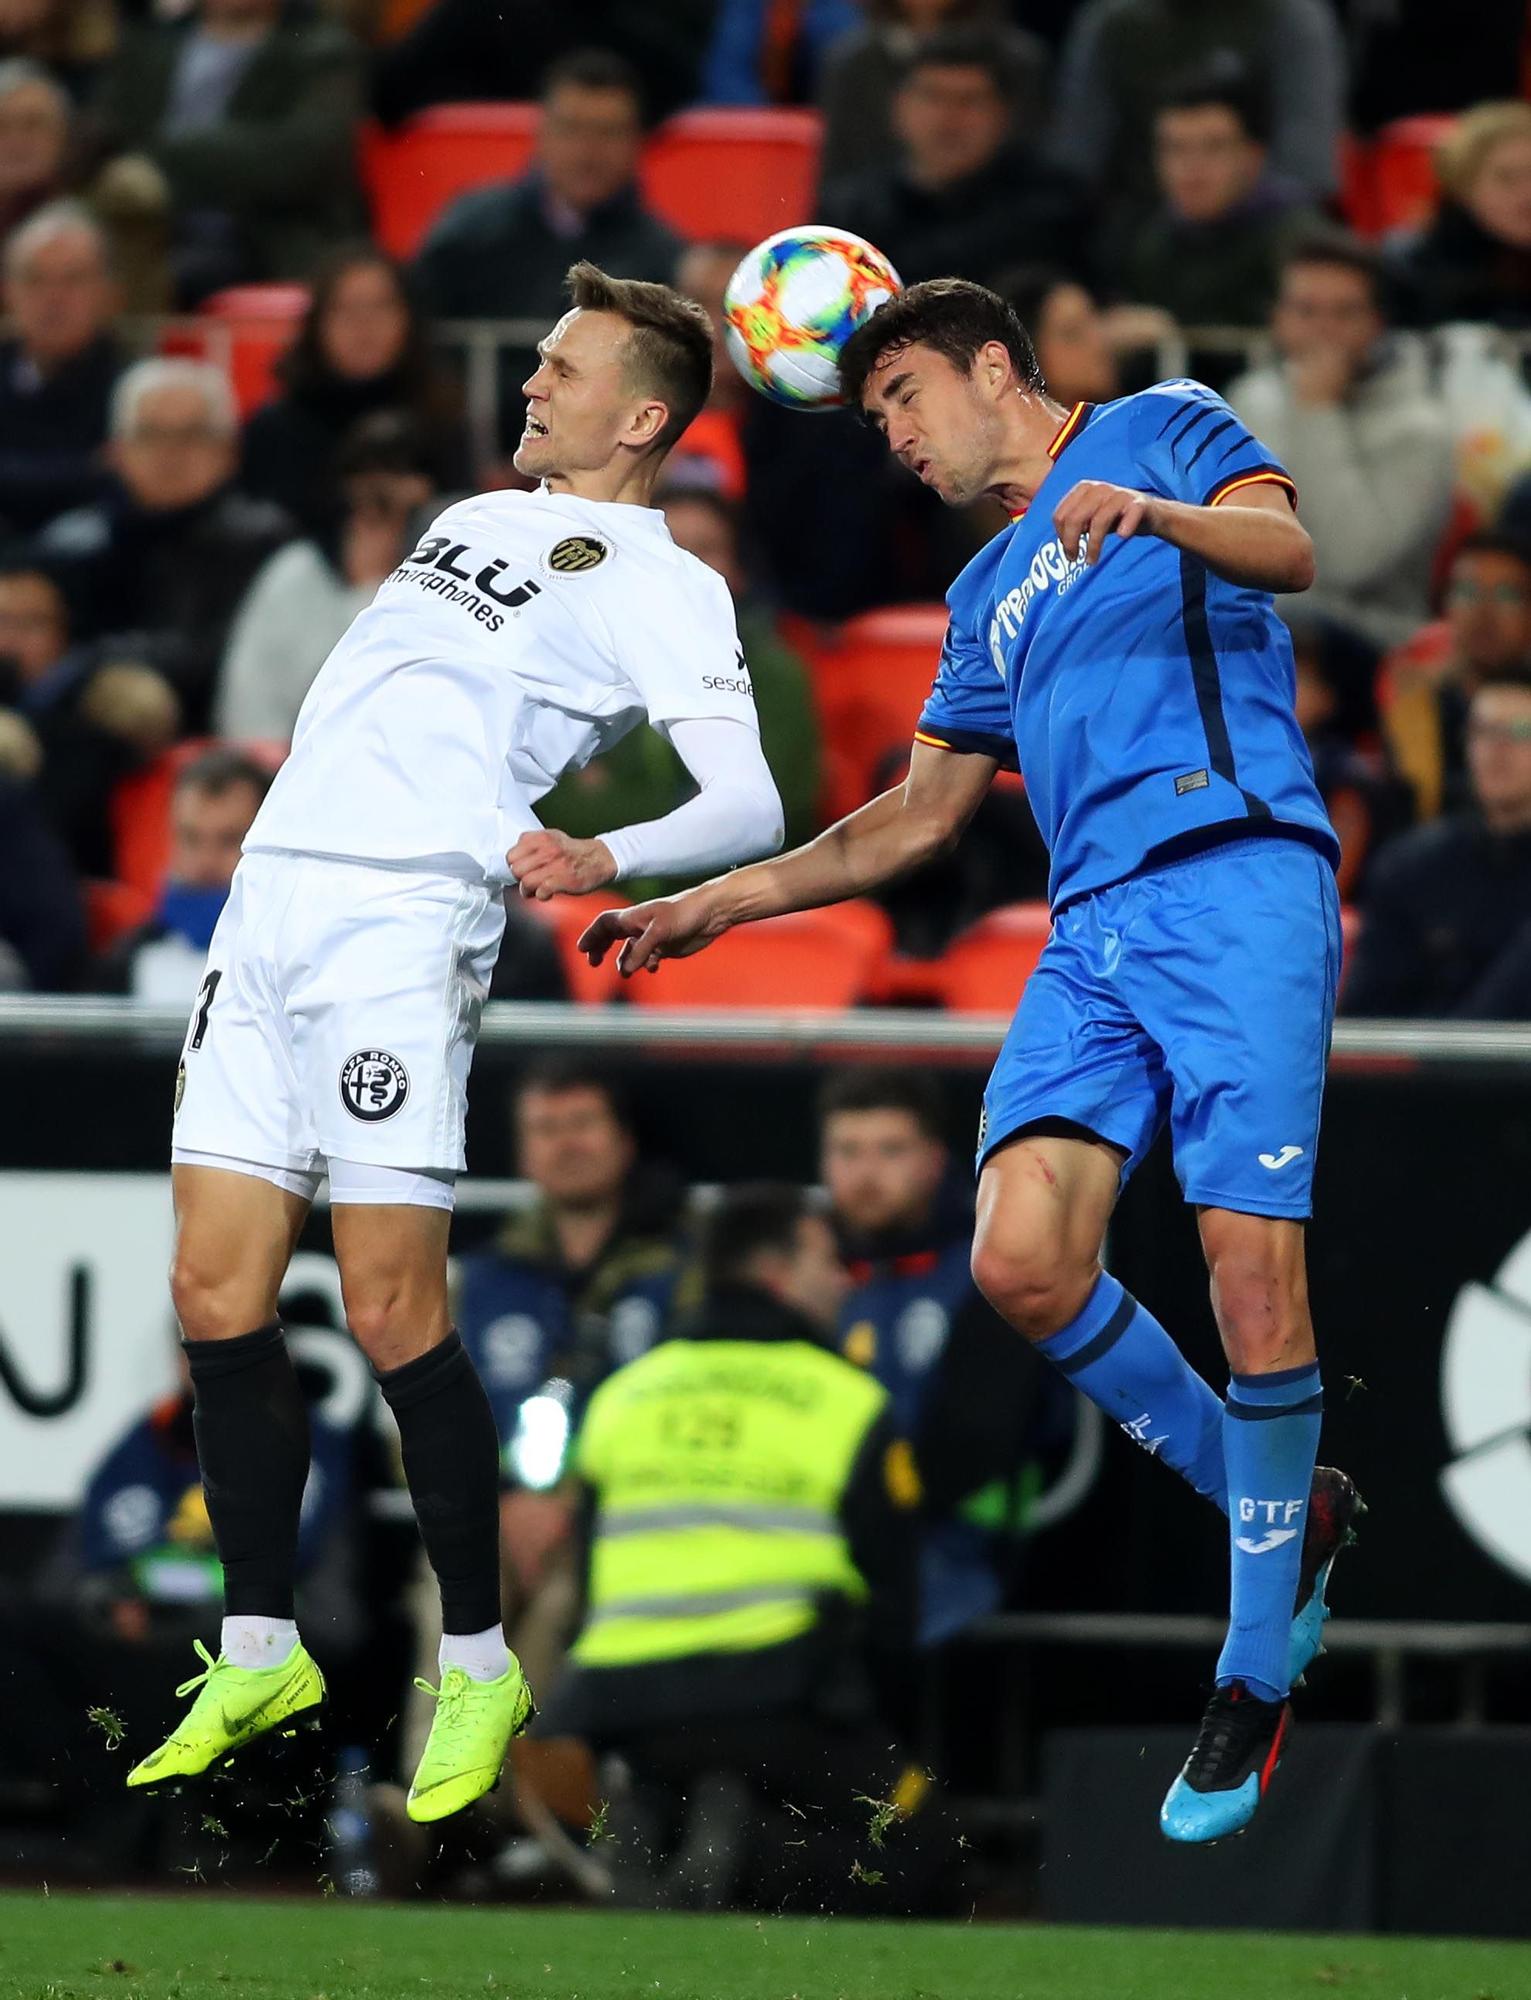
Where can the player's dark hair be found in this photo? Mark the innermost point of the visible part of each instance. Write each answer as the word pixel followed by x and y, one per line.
pixel 1222 87
pixel 951 315
pixel 1339 250
pixel 883 1087
pixel 219 770
pixel 758 1216
pixel 670 352
pixel 968 46
pixel 593 69
pixel 553 1076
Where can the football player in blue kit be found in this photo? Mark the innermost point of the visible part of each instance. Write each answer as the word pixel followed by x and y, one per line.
pixel 1118 644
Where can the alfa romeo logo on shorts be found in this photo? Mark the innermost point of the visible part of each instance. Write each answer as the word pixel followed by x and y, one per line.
pixel 575 554
pixel 373 1084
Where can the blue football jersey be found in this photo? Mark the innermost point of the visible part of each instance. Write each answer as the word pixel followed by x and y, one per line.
pixel 1148 703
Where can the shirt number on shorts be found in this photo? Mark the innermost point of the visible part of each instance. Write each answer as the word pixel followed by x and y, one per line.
pixel 204 1002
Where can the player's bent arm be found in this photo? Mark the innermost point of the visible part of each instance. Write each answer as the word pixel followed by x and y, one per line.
pixel 735 815
pixel 1256 541
pixel 922 818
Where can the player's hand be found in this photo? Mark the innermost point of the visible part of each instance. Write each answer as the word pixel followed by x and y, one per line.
pixel 1093 509
pixel 673 927
pixel 549 863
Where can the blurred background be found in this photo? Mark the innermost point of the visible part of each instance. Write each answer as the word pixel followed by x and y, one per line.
pixel 271 278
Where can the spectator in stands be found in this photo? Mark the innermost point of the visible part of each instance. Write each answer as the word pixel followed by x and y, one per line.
pixel 307 593
pixel 1351 412
pixel 1366 801
pixel 1121 56
pixel 642 778
pixel 57 369
pixel 42 917
pixel 1210 254
pixel 711 453
pixel 215 799
pixel 250 119
pixel 1446 930
pixel 166 556
pixel 1430 680
pixel 1473 262
pixel 69 37
pixel 363 347
pixel 96 714
pixel 34 140
pixel 968 1395
pixel 863 69
pixel 501 252
pixel 1072 336
pixel 463 51
pixel 577 1284
pixel 743 1686
pixel 761 54
pixel 959 194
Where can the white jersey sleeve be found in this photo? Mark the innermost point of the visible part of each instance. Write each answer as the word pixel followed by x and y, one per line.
pixel 677 641
pixel 735 815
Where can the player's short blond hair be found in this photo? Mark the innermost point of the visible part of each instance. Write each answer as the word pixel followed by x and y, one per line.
pixel 1461 155
pixel 670 353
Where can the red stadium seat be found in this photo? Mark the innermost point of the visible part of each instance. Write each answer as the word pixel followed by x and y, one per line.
pixel 112 909
pixel 1404 185
pixel 252 327
pixel 815 958
pixel 733 173
pixel 567 917
pixel 983 970
pixel 870 681
pixel 412 174
pixel 140 809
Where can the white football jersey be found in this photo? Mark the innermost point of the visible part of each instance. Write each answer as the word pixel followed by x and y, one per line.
pixel 526 632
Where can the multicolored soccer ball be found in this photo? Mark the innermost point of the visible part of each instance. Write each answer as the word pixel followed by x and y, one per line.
pixel 794 302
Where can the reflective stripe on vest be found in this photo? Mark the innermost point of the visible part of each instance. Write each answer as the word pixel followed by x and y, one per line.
pixel 719 1468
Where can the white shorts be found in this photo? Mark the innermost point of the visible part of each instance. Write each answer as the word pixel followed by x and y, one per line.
pixel 336 1023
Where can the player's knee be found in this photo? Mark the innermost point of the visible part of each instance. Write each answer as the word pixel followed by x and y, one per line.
pixel 208 1304
pixel 391 1325
pixel 1034 1288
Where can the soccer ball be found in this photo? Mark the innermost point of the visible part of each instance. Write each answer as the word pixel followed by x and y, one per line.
pixel 793 304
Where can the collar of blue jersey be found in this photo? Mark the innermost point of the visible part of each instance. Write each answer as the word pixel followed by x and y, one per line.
pixel 1070 428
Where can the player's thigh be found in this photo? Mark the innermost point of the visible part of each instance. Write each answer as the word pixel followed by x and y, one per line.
pixel 385 1018
pixel 237 1092
pixel 393 1276
pixel 1258 1269
pixel 1076 1052
pixel 1236 963
pixel 1044 1200
pixel 234 1237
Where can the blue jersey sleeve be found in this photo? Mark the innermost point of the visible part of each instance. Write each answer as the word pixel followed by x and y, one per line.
pixel 969 706
pixel 1192 447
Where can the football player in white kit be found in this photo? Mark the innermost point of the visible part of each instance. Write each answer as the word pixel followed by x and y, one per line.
pixel 335 1024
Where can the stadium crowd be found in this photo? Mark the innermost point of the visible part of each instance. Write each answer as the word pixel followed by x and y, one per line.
pixel 241 366
pixel 236 377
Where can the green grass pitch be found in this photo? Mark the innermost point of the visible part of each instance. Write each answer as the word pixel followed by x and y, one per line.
pixel 203 1947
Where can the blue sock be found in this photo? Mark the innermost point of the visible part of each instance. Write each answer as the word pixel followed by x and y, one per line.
pixel 1124 1361
pixel 1270 1440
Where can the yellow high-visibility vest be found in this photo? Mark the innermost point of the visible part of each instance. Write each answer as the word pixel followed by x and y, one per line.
pixel 719 1469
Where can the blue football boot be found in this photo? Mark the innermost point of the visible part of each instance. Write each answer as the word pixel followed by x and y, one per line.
pixel 1229 1771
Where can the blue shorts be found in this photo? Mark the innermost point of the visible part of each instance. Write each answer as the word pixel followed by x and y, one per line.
pixel 1201 993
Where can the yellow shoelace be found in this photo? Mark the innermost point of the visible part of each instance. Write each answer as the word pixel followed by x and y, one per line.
pixel 198 1680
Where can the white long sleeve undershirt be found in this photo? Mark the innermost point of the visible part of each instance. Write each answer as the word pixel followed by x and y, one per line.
pixel 735 816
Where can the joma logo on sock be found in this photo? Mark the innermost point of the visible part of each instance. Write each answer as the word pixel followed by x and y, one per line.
pixel 1268 1512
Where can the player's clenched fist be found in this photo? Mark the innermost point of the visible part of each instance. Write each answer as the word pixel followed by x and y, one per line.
pixel 1094 509
pixel 669 928
pixel 549 863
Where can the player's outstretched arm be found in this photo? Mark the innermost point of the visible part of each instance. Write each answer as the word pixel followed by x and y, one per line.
pixel 896 832
pixel 1257 541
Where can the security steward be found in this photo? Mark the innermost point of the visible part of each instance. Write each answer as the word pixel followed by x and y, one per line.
pixel 750 1518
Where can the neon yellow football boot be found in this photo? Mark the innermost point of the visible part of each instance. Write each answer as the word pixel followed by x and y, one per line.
pixel 234 1705
pixel 470 1734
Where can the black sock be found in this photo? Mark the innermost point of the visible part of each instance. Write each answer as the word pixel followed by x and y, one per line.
pixel 251 1425
pixel 452 1463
